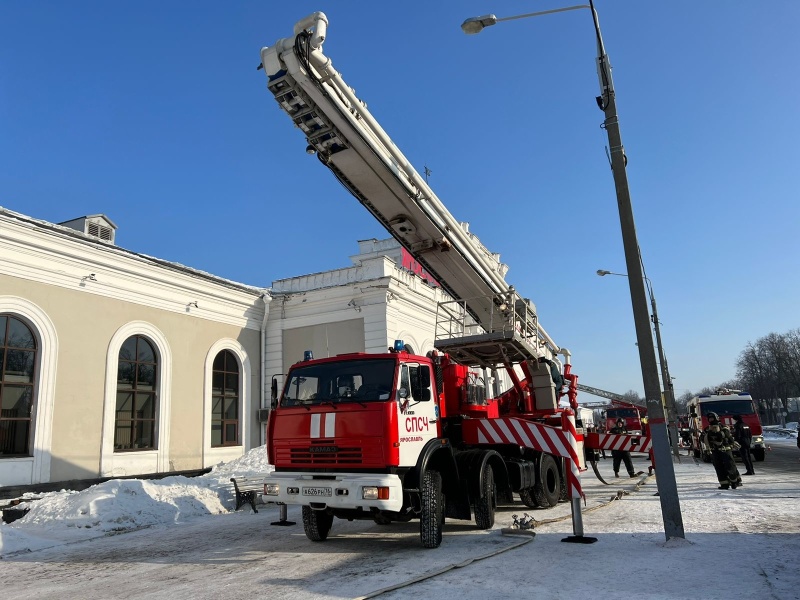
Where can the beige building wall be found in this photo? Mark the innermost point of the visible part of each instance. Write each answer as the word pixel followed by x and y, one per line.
pixel 81 322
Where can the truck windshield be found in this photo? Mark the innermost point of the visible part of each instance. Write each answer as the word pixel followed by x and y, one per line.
pixel 728 407
pixel 625 413
pixel 345 381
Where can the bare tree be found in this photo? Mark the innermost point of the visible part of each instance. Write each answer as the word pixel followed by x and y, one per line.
pixel 634 398
pixel 682 401
pixel 770 370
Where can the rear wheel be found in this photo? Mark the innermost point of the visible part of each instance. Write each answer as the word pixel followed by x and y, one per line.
pixel 431 516
pixel 547 488
pixel 485 505
pixel 317 524
pixel 758 454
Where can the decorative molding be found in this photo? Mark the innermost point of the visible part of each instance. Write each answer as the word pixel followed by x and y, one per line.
pixel 54 258
pixel 37 468
pixel 212 456
pixel 133 463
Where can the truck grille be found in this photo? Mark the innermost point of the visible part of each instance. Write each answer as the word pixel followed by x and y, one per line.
pixel 314 457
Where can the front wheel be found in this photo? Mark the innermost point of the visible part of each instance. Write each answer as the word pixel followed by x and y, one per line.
pixel 485 505
pixel 317 524
pixel 758 454
pixel 431 516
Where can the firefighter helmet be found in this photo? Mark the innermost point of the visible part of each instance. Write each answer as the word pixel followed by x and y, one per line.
pixel 712 417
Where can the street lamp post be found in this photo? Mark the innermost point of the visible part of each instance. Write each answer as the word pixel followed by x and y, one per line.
pixel 666 380
pixel 665 478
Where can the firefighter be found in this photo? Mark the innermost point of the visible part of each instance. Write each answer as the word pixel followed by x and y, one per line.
pixel 619 456
pixel 743 437
pixel 721 443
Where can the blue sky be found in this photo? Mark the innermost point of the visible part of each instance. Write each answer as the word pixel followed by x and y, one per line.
pixel 154 114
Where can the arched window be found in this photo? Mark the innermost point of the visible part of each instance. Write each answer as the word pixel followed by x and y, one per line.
pixel 17 367
pixel 225 400
pixel 135 417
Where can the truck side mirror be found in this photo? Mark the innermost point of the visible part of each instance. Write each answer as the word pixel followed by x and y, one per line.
pixel 274 393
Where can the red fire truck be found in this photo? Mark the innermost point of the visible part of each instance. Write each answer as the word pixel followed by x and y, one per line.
pixel 619 408
pixel 396 436
pixel 632 414
pixel 726 403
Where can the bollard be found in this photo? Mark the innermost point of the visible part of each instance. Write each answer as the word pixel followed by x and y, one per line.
pixel 283 520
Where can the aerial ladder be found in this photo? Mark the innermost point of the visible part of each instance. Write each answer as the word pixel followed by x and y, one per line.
pixel 487 324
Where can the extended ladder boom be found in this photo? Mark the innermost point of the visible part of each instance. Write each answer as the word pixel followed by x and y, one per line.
pixel 348 140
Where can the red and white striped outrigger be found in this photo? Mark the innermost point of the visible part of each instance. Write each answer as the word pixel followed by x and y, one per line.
pixel 565 442
pixel 619 441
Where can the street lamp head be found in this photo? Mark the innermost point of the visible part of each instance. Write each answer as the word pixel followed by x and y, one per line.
pixel 602 272
pixel 476 24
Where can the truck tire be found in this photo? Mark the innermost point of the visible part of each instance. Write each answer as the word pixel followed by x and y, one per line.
pixel 563 493
pixel 758 454
pixel 431 517
pixel 526 495
pixel 547 488
pixel 485 505
pixel 317 524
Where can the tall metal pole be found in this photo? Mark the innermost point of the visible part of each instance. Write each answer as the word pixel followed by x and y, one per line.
pixel 669 394
pixel 665 470
pixel 666 380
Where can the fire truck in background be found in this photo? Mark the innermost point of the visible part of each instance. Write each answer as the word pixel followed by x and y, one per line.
pixel 635 416
pixel 395 436
pixel 726 403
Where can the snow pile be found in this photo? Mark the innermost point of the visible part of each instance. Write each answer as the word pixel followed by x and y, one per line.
pixel 122 505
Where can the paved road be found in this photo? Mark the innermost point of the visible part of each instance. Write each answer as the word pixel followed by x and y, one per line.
pixel 780 458
pixel 239 555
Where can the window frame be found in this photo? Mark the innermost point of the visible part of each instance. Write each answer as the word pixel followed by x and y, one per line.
pixel 138 424
pixel 31 385
pixel 224 396
pixel 249 399
pixel 146 461
pixel 35 468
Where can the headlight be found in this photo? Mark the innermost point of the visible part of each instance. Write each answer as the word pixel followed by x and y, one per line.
pixel 271 489
pixel 758 440
pixel 375 493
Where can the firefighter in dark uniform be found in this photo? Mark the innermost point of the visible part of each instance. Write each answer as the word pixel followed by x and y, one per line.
pixel 619 456
pixel 743 437
pixel 720 441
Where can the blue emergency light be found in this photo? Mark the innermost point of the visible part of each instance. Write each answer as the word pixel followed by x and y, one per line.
pixel 399 345
pixel 308 355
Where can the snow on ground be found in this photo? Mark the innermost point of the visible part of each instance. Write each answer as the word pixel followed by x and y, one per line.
pixel 739 543
pixel 127 504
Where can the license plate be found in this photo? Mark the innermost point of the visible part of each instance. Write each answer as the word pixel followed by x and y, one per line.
pixel 316 491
